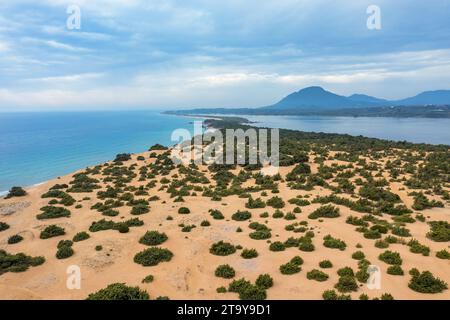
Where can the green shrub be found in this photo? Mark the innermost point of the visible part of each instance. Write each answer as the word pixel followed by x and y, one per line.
pixel 317 275
pixel 334 243
pixel 3 226
pixel 372 234
pixel 238 285
pixel 381 244
pixel 17 262
pixel 443 254
pixel 184 210
pixel 325 264
pixel 64 243
pixel 110 213
pixel 264 281
pixel 252 293
pixel 153 256
pixel 260 234
pixel 16 192
pixel 401 231
pixel 52 231
pixel 15 239
pixel 98 248
pixel 255 203
pixel 249 253
pixel 440 231
pixel 277 246
pixel 64 252
pixel 222 248
pixel 122 157
pixel 140 209
pixel 292 266
pixel 241 216
pixel 216 214
pixel 346 284
pixel 225 271
pixel 332 295
pixel 386 296
pixel 51 212
pixel 425 282
pixel 395 270
pixel 416 247
pixel 153 238
pixel 358 255
pixel 205 223
pixel 221 290
pixel 121 227
pixel 276 202
pixel 346 271
pixel 80 236
pixel 328 211
pixel 119 291
pixel 148 279
pixel 392 258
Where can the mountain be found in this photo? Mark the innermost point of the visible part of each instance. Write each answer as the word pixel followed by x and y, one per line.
pixel 315 98
pixel 367 99
pixel 437 97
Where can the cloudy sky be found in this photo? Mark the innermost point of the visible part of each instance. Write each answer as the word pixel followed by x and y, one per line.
pixel 131 54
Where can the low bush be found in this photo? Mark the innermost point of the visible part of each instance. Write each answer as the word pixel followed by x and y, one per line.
pixel 358 255
pixel 205 223
pixel 249 253
pixel 277 246
pixel 346 284
pixel 119 291
pixel 317 275
pixel 64 252
pixel 52 231
pixel 16 192
pixel 328 211
pixel 395 270
pixel 325 264
pixel 153 238
pixel 443 254
pixel 260 234
pixel 389 257
pixel 416 247
pixel 216 214
pixel 292 266
pixel 401 231
pixel 238 285
pixel 80 236
pixel 241 216
pixel 252 292
pixel 276 202
pixel 425 282
pixel 334 243
pixel 332 295
pixel 122 157
pixel 184 210
pixel 51 212
pixel 140 209
pixel 255 203
pixel 222 249
pixel 153 256
pixel 225 271
pixel 3 226
pixel 17 262
pixel 15 239
pixel 439 232
pixel 148 279
pixel 346 271
pixel 372 234
pixel 264 281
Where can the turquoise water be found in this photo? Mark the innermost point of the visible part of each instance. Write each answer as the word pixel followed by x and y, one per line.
pixel 419 130
pixel 35 147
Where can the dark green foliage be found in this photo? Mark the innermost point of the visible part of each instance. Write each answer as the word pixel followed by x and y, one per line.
pixel 416 247
pixel 332 295
pixel 372 234
pixel 153 238
pixel 3 226
pixel 328 211
pixel 264 281
pixel 225 271
pixel 15 239
pixel 358 255
pixel 249 253
pixel 255 203
pixel 275 202
pixel 292 266
pixel 148 279
pixel 216 214
pixel 260 234
pixel 140 209
pixel 317 275
pixel 425 282
pixel 238 285
pixel 80 236
pixel 64 252
pixel 334 243
pixel 253 292
pixel 110 213
pixel 205 223
pixel 443 254
pixel 221 290
pixel 122 157
pixel 395 270
pixel 401 232
pixel 184 210
pixel 17 262
pixel 153 256
pixel 277 246
pixel 51 212
pixel 241 216
pixel 119 291
pixel 440 231
pixel 346 271
pixel 52 231
pixel 421 202
pixel 222 249
pixel 16 192
pixel 325 264
pixel 346 284
pixel 98 248
pixel 157 147
pixel 392 258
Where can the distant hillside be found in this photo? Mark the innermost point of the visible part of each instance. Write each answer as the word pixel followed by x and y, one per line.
pixel 318 101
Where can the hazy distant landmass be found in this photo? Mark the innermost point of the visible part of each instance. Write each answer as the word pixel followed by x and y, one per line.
pixel 318 101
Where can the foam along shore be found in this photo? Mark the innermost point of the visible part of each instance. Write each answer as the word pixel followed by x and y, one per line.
pixel 279 223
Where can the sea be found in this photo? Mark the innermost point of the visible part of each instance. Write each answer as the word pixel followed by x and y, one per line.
pixel 38 146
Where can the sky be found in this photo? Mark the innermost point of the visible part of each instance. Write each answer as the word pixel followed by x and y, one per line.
pixel 143 54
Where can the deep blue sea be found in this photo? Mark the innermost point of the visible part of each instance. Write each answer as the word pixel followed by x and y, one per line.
pixel 35 147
